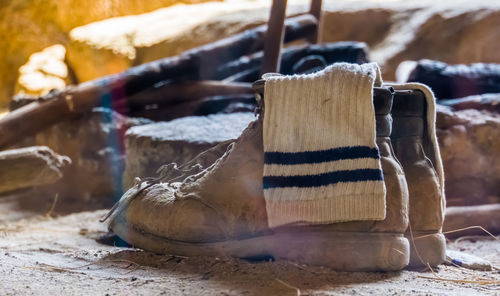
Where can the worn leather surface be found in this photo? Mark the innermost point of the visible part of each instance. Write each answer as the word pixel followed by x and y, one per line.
pixel 396 220
pixel 223 201
pixel 411 144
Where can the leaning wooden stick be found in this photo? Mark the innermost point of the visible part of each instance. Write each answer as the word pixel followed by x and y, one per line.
pixel 194 64
pixel 274 37
pixel 315 9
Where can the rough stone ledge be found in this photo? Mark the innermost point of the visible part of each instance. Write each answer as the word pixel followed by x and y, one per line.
pixel 150 146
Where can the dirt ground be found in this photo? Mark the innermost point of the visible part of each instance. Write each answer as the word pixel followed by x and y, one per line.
pixel 58 254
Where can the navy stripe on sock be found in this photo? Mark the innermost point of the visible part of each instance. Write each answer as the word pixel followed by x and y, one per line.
pixel 323 179
pixel 320 155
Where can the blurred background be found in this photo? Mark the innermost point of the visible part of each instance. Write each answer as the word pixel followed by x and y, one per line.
pixel 48 44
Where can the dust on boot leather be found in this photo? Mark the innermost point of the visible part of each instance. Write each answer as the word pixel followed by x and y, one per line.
pixel 414 149
pixel 223 201
pixel 221 211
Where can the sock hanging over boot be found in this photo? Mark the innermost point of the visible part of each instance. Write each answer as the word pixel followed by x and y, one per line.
pixel 321 163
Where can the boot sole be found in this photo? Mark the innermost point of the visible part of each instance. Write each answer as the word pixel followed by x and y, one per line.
pixel 426 248
pixel 345 251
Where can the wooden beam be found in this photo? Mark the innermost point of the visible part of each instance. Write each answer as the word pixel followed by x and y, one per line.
pixel 183 92
pixel 486 216
pixel 31 166
pixel 38 115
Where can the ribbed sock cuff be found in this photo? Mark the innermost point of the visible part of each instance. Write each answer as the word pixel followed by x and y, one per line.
pixel 320 211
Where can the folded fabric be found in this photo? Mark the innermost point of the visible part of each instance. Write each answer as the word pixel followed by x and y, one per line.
pixel 321 163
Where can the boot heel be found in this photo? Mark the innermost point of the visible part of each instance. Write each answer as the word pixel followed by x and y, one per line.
pixel 429 248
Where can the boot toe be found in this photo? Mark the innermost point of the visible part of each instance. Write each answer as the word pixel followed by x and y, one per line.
pixel 163 212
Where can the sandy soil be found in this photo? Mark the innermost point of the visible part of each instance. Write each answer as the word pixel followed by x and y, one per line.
pixel 45 255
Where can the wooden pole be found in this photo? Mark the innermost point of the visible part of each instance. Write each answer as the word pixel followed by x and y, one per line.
pixel 274 37
pixel 315 10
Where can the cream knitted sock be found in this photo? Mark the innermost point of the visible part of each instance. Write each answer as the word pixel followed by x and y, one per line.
pixel 321 163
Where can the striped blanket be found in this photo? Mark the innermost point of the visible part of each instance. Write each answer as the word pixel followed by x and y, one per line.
pixel 321 163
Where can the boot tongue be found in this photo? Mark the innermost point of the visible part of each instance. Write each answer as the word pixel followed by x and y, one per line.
pixel 409 114
pixel 382 100
pixel 409 103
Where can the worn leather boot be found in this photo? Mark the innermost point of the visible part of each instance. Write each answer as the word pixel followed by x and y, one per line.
pixel 220 211
pixel 414 149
